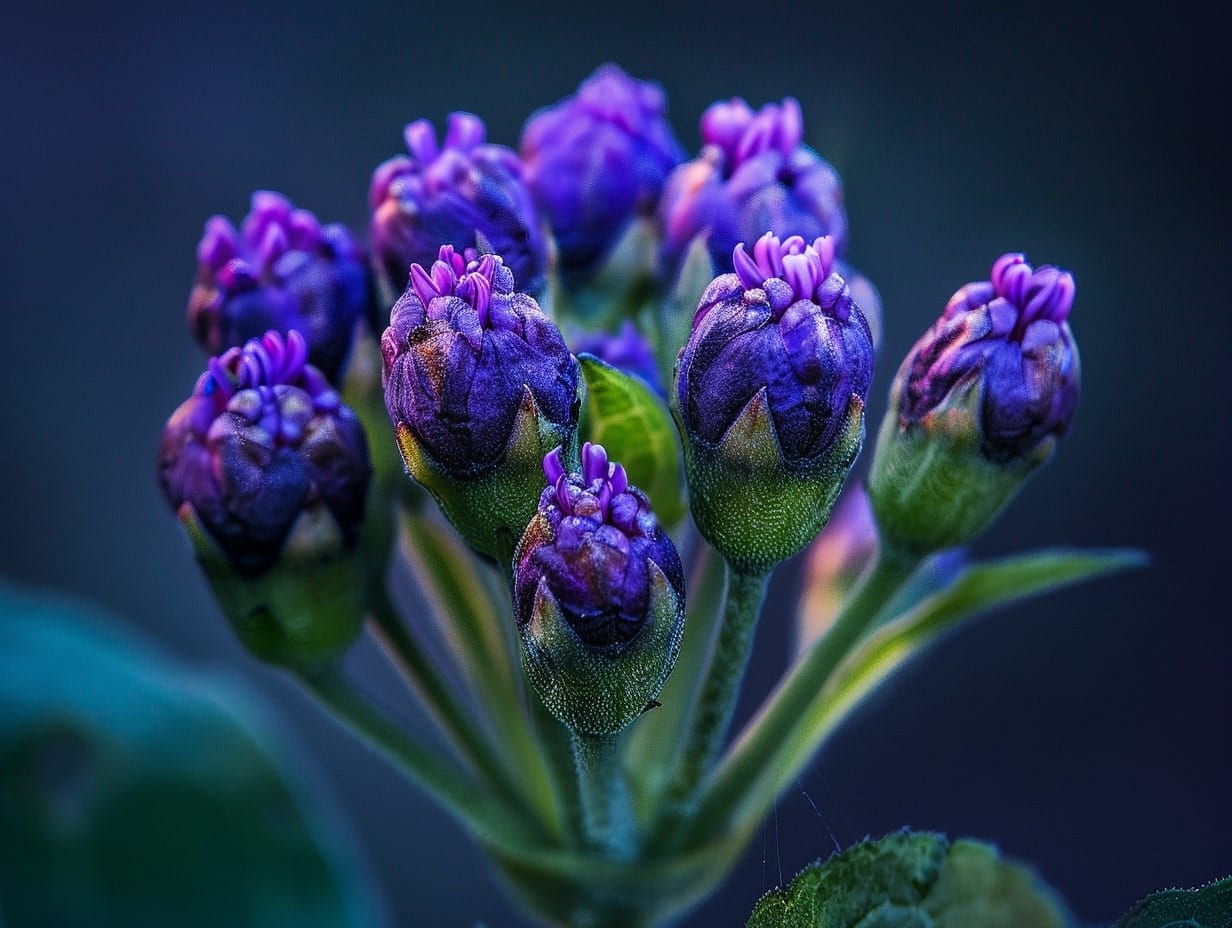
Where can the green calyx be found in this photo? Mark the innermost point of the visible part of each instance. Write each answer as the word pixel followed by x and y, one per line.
pixel 306 610
pixel 493 509
pixel 601 690
pixel 930 486
pixel 752 505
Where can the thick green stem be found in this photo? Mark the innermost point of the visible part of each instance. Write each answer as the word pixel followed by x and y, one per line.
pixel 717 702
pixel 751 759
pixel 605 796
pixel 488 817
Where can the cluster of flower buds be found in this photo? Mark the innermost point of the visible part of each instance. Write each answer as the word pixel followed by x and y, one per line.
pixel 461 191
pixel 769 397
pixel 598 159
pixel 480 385
pixel 977 405
pixel 281 271
pixel 269 471
pixel 598 596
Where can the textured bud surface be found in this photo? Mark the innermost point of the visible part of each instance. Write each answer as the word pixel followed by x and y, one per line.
pixel 281 271
pixel 597 159
pixel 460 190
pixel 263 439
pixel 754 173
pixel 598 596
pixel 461 349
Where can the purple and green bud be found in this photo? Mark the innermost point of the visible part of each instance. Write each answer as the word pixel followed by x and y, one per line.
pixel 754 173
pixel 769 399
pixel 462 191
pixel 598 596
pixel 479 384
pixel 280 271
pixel 597 160
pixel 977 405
pixel 269 471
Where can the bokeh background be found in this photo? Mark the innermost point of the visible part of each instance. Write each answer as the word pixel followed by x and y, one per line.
pixel 1088 732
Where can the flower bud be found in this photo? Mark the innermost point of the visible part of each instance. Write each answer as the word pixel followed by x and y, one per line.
pixel 597 159
pixel 977 405
pixel 754 173
pixel 598 597
pixel 769 399
pixel 281 271
pixel 625 350
pixel 461 190
pixel 479 384
pixel 268 471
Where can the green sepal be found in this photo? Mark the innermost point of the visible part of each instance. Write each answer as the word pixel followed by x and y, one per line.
pixel 930 486
pixel 752 505
pixel 912 880
pixel 306 610
pixel 625 415
pixel 676 311
pixel 1208 906
pixel 492 510
pixel 601 690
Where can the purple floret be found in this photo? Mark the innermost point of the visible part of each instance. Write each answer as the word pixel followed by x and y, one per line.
pixel 593 542
pixel 754 173
pixel 461 349
pixel 264 437
pixel 461 190
pixel 281 271
pixel 784 322
pixel 597 159
pixel 1012 332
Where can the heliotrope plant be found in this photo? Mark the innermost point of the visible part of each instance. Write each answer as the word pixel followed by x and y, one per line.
pixel 599 527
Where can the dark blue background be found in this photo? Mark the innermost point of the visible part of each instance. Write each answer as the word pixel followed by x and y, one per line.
pixel 1087 732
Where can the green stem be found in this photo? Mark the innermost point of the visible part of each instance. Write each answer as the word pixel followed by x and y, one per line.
pixel 717 702
pixel 751 758
pixel 465 732
pixel 557 754
pixel 486 816
pixel 605 796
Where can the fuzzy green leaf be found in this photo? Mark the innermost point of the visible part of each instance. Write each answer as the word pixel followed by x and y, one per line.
pixel 1207 906
pixel 624 415
pixel 912 880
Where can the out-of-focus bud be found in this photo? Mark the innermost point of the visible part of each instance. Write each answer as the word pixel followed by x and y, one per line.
pixel 480 385
pixel 598 597
pixel 281 271
pixel 836 559
pixel 460 191
pixel 268 471
pixel 977 405
pixel 769 399
pixel 753 174
pixel 597 159
pixel 625 350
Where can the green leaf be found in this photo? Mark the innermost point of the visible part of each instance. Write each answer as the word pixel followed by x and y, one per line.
pixel 912 880
pixel 816 697
pixel 624 415
pixel 1207 906
pixel 136 792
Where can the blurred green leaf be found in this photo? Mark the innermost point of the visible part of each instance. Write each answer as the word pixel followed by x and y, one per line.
pixel 912 880
pixel 134 792
pixel 1207 906
pixel 626 416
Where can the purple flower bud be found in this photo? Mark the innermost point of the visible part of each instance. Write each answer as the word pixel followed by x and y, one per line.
pixel 1010 334
pixel 592 543
pixel 263 441
pixel 462 190
pixel 753 174
pixel 625 350
pixel 783 323
pixel 597 159
pixel 282 270
pixel 462 350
